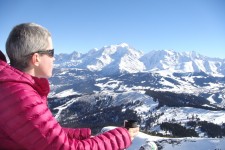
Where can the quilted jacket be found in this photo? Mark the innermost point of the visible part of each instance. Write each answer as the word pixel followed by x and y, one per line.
pixel 27 123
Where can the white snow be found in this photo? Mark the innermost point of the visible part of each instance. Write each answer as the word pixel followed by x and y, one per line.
pixel 187 143
pixel 66 93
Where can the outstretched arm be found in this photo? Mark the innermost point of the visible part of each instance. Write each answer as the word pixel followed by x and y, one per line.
pixel 29 122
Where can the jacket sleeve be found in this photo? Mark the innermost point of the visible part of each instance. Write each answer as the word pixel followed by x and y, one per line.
pixel 29 122
pixel 78 133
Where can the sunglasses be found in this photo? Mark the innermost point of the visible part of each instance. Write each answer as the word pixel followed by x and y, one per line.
pixel 50 52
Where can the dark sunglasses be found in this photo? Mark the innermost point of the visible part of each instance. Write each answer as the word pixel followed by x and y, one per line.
pixel 50 52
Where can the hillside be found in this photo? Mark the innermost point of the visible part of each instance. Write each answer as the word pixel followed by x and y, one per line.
pixel 161 89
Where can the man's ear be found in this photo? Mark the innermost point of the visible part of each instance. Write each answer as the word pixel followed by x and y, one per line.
pixel 35 59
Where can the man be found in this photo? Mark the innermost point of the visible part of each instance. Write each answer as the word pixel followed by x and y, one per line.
pixel 25 120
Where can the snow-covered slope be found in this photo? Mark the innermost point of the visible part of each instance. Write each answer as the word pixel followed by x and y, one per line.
pixel 145 107
pixel 187 143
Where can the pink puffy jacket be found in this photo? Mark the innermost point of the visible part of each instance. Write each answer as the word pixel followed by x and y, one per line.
pixel 27 123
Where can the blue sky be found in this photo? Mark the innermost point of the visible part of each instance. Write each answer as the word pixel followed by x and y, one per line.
pixel 80 25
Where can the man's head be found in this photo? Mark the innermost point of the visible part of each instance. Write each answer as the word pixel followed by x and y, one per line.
pixel 28 47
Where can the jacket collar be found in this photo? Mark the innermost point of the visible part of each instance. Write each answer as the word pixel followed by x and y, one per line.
pixel 2 56
pixel 11 74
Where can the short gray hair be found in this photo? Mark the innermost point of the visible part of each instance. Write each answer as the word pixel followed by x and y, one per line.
pixel 23 40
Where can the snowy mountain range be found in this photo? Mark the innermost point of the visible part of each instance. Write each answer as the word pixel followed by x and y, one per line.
pixel 159 89
pixel 123 58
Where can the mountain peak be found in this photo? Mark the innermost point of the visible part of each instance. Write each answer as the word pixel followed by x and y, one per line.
pixel 115 58
pixel 123 45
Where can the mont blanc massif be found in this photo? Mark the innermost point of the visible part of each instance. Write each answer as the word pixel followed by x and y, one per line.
pixel 173 95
